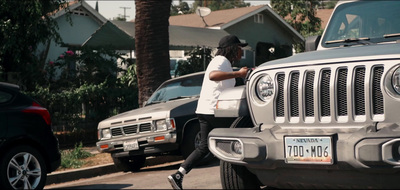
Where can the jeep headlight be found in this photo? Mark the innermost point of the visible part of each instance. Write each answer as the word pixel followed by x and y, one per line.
pixel 265 88
pixel 105 134
pixel 396 80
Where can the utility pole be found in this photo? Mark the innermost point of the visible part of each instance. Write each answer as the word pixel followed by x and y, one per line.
pixel 125 11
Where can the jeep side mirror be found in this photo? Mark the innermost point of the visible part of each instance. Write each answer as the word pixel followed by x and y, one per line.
pixel 312 43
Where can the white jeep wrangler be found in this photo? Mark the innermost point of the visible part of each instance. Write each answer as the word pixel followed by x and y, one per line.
pixel 322 119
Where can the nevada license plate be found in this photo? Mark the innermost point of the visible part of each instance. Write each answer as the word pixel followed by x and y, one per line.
pixel 131 145
pixel 308 150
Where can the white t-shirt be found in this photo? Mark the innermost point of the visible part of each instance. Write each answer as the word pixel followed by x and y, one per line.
pixel 211 90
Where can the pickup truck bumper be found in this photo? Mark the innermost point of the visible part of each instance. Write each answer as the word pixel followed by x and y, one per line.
pixel 148 144
pixel 357 153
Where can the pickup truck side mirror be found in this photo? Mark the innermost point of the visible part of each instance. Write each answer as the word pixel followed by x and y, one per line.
pixel 312 43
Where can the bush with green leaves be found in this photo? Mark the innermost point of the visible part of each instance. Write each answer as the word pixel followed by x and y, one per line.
pixel 199 59
pixel 87 87
pixel 73 158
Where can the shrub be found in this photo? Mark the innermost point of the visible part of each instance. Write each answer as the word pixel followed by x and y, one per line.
pixel 83 89
pixel 72 158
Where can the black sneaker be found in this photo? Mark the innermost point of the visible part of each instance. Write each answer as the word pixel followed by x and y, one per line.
pixel 176 180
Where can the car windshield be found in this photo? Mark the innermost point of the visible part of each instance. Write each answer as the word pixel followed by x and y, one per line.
pixel 363 23
pixel 176 89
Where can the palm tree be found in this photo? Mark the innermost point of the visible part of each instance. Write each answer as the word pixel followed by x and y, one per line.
pixel 152 45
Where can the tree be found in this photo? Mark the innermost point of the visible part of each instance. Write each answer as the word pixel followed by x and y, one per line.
pixel 300 14
pixel 152 45
pixel 220 4
pixel 199 59
pixel 23 26
pixel 181 8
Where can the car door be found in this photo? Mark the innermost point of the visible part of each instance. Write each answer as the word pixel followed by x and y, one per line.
pixel 5 99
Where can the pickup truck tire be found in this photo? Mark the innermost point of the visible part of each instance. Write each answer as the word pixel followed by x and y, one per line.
pixel 129 164
pixel 236 176
pixel 191 140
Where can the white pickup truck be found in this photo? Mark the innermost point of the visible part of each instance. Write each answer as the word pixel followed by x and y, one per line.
pixel 320 119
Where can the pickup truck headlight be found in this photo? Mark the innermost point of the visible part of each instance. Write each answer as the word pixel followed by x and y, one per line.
pixel 264 88
pixel 161 125
pixel 396 80
pixel 105 134
pixel 164 124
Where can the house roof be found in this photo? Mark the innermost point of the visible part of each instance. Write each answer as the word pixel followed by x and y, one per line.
pixel 121 35
pixel 216 19
pixel 75 5
pixel 222 19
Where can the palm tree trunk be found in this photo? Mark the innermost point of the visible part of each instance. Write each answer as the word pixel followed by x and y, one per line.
pixel 152 45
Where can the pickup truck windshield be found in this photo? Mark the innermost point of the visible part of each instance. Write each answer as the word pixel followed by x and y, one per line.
pixel 363 23
pixel 177 89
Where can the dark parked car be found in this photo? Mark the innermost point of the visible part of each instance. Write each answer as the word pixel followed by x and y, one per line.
pixel 166 124
pixel 29 150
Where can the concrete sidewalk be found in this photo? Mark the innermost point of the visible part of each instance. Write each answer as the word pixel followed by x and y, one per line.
pixel 89 172
pixel 80 173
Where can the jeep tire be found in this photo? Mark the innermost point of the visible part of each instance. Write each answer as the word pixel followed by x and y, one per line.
pixel 236 176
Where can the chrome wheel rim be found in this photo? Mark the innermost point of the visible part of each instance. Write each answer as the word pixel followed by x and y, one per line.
pixel 24 171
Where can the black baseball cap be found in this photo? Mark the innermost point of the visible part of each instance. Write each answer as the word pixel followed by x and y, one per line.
pixel 230 40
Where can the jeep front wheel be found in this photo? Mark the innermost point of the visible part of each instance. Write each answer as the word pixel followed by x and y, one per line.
pixel 132 163
pixel 237 177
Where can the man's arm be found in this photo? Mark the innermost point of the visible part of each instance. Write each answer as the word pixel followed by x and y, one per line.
pixel 221 75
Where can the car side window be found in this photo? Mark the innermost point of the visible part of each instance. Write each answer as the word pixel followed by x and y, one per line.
pixel 5 97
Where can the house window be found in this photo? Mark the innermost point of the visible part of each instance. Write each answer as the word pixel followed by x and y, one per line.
pixel 259 18
pixel 79 12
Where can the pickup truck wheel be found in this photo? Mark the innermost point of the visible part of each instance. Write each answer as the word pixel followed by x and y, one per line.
pixel 132 163
pixel 191 141
pixel 237 177
pixel 22 167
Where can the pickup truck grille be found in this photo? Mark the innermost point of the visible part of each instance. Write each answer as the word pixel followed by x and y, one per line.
pixel 130 129
pixel 328 93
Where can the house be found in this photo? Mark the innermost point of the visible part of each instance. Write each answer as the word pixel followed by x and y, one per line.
pixel 324 15
pixel 85 21
pixel 268 35
pixel 120 35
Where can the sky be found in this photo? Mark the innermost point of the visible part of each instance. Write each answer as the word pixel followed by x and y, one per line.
pixel 111 8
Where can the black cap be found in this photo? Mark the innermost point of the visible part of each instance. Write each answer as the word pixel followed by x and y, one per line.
pixel 230 40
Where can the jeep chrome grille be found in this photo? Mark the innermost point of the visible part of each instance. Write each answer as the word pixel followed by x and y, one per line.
pixel 333 99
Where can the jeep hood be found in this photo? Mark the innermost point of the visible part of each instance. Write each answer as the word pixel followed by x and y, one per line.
pixel 153 112
pixel 335 55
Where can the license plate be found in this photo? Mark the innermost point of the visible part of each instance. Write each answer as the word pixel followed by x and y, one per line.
pixel 308 150
pixel 131 145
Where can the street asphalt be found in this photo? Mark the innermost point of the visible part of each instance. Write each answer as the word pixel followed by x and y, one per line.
pixel 89 172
